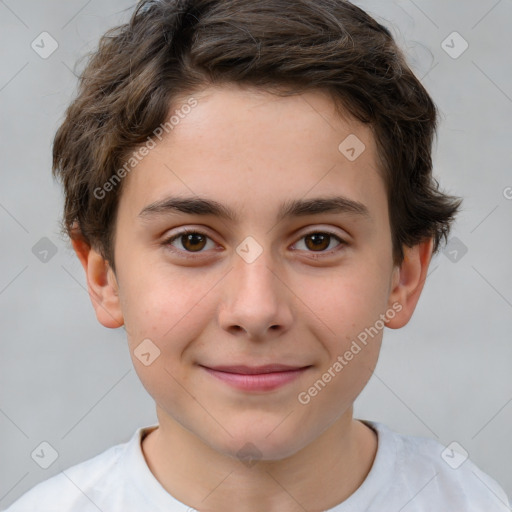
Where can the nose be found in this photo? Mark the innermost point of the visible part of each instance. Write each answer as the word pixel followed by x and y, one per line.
pixel 256 301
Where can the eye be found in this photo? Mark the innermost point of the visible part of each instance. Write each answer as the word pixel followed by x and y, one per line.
pixel 190 241
pixel 319 241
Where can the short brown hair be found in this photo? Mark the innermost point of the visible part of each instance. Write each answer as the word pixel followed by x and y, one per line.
pixel 170 48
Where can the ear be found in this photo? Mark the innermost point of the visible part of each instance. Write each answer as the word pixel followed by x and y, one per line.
pixel 407 282
pixel 101 283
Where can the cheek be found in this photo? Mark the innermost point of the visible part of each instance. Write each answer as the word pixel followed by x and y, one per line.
pixel 172 312
pixel 351 343
pixel 347 300
pixel 164 307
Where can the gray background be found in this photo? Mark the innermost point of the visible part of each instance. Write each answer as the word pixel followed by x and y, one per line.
pixel 67 380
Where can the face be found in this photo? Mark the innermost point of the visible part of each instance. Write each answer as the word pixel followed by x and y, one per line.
pixel 286 261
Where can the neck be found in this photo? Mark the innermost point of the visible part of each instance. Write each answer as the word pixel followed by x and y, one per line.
pixel 318 477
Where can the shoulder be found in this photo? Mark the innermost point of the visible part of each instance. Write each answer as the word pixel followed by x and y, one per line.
pixel 434 473
pixel 76 487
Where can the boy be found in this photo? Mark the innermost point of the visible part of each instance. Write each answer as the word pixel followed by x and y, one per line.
pixel 249 190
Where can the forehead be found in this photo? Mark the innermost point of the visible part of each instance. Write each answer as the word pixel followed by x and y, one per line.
pixel 249 149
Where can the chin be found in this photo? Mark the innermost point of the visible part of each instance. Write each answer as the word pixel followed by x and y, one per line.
pixel 257 441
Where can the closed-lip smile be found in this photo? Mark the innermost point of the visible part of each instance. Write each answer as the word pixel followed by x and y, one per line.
pixel 256 378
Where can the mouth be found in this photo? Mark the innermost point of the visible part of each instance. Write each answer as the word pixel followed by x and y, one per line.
pixel 256 378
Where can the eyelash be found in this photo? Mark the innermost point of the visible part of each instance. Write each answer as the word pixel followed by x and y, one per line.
pixel 191 254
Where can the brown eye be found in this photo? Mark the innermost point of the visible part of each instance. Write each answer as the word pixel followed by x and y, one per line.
pixel 190 242
pixel 319 242
pixel 193 241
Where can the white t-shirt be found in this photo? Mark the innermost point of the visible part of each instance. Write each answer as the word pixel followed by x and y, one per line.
pixel 408 474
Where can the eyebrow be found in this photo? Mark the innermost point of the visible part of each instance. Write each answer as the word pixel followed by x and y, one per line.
pixel 289 209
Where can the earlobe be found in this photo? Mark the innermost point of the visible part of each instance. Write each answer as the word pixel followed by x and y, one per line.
pixel 408 281
pixel 101 284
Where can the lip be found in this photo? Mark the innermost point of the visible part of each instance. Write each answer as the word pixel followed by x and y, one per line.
pixel 256 378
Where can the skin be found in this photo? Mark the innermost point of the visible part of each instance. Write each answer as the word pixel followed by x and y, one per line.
pixel 295 304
